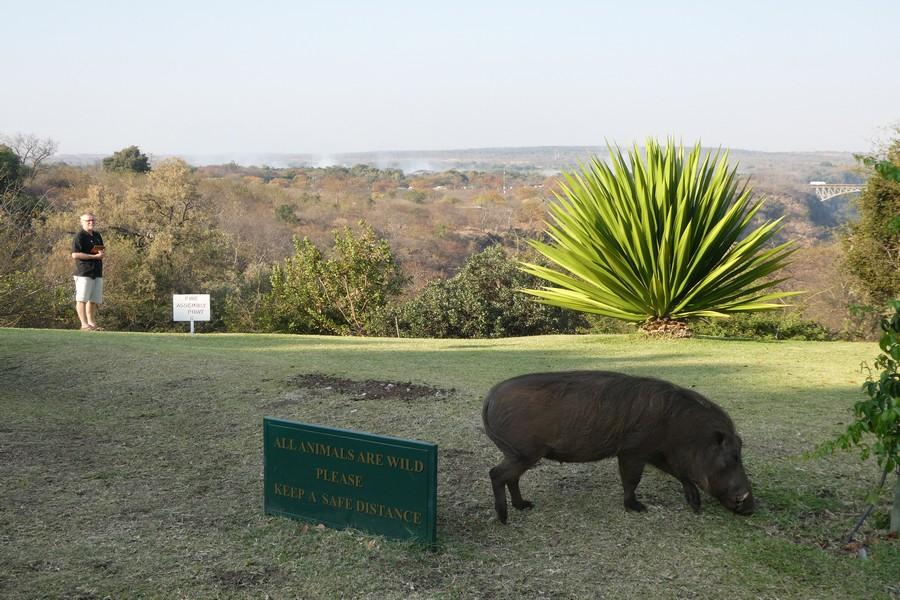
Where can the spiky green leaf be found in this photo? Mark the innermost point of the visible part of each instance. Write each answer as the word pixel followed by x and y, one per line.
pixel 663 235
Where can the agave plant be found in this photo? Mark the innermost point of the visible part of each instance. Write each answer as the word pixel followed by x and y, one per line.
pixel 659 241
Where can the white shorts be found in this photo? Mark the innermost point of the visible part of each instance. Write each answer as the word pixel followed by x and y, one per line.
pixel 88 289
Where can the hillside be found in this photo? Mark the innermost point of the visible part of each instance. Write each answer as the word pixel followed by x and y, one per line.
pixel 782 177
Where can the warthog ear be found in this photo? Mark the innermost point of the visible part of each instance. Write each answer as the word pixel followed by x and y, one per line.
pixel 720 438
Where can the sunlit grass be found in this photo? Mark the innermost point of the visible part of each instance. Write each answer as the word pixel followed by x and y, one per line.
pixel 132 466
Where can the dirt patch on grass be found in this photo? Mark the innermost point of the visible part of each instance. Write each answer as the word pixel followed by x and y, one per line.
pixel 370 389
pixel 83 594
pixel 248 577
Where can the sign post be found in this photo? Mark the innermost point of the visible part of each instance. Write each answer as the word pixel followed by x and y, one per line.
pixel 190 307
pixel 346 478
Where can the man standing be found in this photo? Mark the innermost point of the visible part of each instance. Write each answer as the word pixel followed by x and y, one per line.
pixel 88 252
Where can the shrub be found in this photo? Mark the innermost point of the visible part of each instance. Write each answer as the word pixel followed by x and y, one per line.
pixel 766 326
pixel 483 301
pixel 342 295
pixel 243 304
pixel 127 159
pixel 287 213
pixel 601 324
pixel 876 430
pixel 32 301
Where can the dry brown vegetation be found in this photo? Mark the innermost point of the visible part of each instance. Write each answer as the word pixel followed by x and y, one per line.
pixel 432 220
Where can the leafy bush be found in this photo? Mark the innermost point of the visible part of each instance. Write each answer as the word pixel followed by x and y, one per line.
pixel 243 304
pixel 31 301
pixel 600 324
pixel 876 430
pixel 343 295
pixel 483 301
pixel 766 326
pixel 287 213
pixel 127 159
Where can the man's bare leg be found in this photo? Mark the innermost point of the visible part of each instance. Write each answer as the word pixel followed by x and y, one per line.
pixel 81 309
pixel 89 314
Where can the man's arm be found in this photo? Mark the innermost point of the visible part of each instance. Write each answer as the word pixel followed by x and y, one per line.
pixel 79 245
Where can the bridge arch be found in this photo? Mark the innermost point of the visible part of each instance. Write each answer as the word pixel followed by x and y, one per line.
pixel 826 191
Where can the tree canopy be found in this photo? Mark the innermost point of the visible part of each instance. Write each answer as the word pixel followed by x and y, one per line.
pixel 872 246
pixel 10 171
pixel 127 159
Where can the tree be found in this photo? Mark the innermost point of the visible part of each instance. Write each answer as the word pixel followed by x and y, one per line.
pixel 127 159
pixel 872 246
pixel 342 295
pixel 21 159
pixel 32 152
pixel 25 295
pixel 659 241
pixel 10 170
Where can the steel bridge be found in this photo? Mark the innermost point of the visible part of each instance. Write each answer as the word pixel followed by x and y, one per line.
pixel 826 191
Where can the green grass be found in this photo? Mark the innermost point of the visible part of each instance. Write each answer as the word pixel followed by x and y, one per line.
pixel 131 466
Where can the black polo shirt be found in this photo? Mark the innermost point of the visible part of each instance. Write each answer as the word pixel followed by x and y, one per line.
pixel 84 242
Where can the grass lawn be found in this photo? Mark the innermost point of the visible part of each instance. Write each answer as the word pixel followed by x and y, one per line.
pixel 131 466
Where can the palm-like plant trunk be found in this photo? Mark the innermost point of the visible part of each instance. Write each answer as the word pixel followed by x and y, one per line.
pixel 667 327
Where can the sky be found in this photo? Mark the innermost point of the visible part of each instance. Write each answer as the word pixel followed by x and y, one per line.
pixel 202 77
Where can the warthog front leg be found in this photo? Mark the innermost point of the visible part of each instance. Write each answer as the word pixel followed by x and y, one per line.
pixel 631 468
pixel 691 494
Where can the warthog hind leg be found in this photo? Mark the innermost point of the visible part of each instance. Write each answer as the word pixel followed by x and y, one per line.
pixel 517 501
pixel 504 475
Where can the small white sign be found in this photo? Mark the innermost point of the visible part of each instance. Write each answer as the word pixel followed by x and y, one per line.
pixel 190 307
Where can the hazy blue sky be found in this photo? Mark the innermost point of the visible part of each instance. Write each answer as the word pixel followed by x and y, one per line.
pixel 329 77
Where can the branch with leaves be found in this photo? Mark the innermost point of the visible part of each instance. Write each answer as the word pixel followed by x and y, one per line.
pixel 876 430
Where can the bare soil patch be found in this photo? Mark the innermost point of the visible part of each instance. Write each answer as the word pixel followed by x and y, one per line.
pixel 371 389
pixel 249 577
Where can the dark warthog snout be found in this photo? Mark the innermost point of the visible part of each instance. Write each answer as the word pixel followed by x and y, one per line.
pixel 740 503
pixel 745 505
pixel 583 416
pixel 728 482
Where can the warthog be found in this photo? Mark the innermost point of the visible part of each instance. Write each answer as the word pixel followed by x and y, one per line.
pixel 583 416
